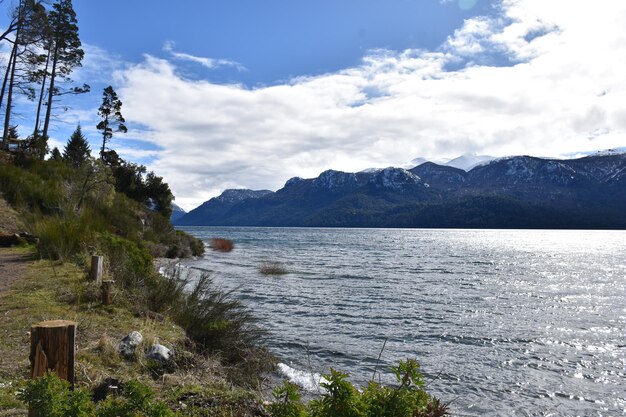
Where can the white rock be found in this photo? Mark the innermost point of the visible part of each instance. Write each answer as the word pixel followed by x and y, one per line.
pixel 159 353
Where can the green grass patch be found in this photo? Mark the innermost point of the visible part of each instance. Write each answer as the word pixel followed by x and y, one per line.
pixel 50 290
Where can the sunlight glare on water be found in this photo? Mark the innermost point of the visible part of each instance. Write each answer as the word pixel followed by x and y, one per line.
pixel 502 321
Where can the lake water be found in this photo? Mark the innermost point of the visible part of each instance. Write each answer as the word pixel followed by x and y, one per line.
pixel 503 322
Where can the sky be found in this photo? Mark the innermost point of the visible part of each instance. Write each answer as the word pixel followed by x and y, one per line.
pixel 248 93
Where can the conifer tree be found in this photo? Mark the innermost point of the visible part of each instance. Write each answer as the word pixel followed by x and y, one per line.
pixel 77 150
pixel 65 54
pixel 112 120
pixel 29 17
pixel 55 155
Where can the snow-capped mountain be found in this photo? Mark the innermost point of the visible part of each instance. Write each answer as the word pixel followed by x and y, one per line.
pixel 218 206
pixel 468 161
pixel 233 196
pixel 177 212
pixel 515 192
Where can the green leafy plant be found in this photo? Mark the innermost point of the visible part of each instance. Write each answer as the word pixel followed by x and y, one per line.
pixel 50 396
pixel 403 400
pixel 287 401
pixel 342 399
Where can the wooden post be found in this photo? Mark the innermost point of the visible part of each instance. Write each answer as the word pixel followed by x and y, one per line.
pixel 106 292
pixel 52 348
pixel 97 263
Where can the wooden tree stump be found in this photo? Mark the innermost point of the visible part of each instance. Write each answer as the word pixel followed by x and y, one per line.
pixel 107 286
pixel 52 348
pixel 97 266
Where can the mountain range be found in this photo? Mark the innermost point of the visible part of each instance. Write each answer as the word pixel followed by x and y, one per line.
pixel 177 212
pixel 512 192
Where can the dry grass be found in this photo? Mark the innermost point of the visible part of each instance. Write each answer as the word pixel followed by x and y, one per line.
pixel 272 268
pixel 9 219
pixel 221 244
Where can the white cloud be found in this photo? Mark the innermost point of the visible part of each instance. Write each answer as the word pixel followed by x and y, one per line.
pixel 209 63
pixel 562 93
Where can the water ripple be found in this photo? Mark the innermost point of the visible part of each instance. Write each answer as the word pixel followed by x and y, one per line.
pixel 503 322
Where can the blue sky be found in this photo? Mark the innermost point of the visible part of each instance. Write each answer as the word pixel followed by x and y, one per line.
pixel 273 40
pixel 246 94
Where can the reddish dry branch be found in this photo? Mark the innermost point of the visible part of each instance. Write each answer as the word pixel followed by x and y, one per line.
pixel 52 348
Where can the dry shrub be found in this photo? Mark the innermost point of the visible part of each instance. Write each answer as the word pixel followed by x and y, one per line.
pixel 272 268
pixel 221 244
pixel 92 292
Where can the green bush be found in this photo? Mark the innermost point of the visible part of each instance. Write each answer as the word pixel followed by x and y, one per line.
pixel 52 397
pixel 342 399
pixel 287 401
pixel 61 237
pixel 26 189
pixel 129 265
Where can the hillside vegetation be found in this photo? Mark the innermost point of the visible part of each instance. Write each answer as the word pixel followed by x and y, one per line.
pixel 76 211
pixel 218 361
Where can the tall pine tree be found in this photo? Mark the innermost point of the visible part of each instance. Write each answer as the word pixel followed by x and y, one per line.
pixel 65 53
pixel 112 120
pixel 76 151
pixel 30 18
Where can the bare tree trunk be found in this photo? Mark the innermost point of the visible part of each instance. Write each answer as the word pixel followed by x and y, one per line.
pixel 104 137
pixel 41 93
pixel 7 116
pixel 55 58
pixel 6 78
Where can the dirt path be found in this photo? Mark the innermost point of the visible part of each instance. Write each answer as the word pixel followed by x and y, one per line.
pixel 12 265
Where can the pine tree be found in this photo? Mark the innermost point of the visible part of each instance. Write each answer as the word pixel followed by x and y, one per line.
pixel 65 54
pixel 30 17
pixel 112 120
pixel 77 150
pixel 55 155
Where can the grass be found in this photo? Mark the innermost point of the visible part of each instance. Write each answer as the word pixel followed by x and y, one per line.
pixel 50 290
pixel 272 268
pixel 222 245
pixel 9 219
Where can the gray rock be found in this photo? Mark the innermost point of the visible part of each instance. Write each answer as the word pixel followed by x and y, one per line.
pixel 129 343
pixel 159 353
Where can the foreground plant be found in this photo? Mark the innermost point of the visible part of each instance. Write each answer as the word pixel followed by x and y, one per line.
pixel 342 399
pixel 50 396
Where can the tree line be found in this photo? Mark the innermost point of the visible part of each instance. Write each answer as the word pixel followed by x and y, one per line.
pixel 45 48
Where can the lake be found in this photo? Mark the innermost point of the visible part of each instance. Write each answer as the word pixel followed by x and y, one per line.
pixel 503 322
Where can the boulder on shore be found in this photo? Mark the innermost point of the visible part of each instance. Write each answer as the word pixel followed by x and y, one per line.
pixel 159 353
pixel 128 345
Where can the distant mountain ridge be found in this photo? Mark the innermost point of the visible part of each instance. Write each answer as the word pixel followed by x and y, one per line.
pixel 177 212
pixel 513 192
pixel 465 162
